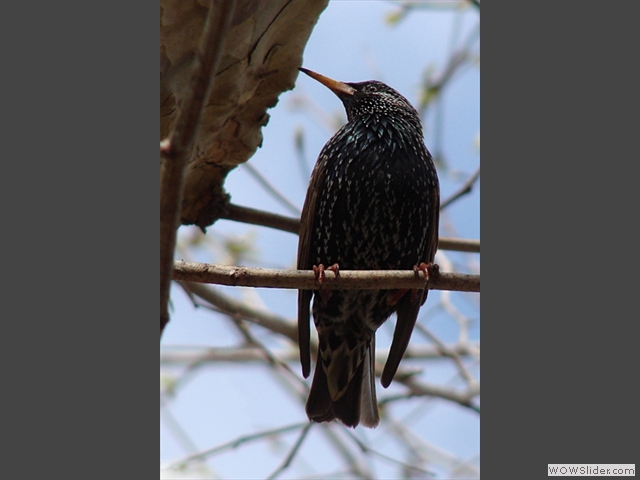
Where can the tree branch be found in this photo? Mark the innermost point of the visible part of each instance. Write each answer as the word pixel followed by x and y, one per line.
pixel 423 389
pixel 271 189
pixel 252 216
pixel 189 356
pixel 262 218
pixel 459 244
pixel 234 444
pixel 306 279
pixel 463 190
pixel 296 446
pixel 231 306
pixel 462 369
pixel 287 328
pixel 177 149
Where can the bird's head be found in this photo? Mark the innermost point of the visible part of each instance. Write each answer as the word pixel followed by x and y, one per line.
pixel 368 98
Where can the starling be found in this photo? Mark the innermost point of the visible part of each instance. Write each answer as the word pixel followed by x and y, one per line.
pixel 372 204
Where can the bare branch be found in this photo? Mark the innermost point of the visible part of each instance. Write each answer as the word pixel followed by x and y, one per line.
pixel 434 85
pixel 271 189
pixel 262 218
pixel 178 431
pixel 370 451
pixel 260 317
pixel 292 225
pixel 464 372
pixel 234 444
pixel 463 190
pixel 177 149
pixel 338 436
pixel 296 446
pixel 459 244
pixel 306 279
pixel 424 452
pixel 279 365
pixel 420 389
pixel 176 357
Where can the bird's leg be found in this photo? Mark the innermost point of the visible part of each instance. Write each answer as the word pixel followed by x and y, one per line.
pixel 319 270
pixel 430 270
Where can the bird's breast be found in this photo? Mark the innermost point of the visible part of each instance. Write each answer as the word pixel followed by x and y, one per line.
pixel 373 208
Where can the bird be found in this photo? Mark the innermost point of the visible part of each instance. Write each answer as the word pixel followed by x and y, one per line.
pixel 372 204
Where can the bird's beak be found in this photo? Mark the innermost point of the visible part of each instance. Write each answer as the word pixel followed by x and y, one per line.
pixel 339 88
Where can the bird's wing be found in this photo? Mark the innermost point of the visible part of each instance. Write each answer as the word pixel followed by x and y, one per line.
pixel 305 260
pixel 432 231
pixel 408 308
pixel 409 305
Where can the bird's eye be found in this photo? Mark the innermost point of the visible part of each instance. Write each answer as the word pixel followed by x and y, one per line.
pixel 372 88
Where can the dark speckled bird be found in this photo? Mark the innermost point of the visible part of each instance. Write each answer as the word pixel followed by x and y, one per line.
pixel 372 204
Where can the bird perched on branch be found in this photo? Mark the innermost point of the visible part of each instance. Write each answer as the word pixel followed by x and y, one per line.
pixel 372 204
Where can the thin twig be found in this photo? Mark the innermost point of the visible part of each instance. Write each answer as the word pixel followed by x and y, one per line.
pixel 421 389
pixel 463 190
pixel 177 149
pixel 262 218
pixel 187 356
pixel 404 434
pixel 368 450
pixel 230 305
pixel 426 452
pixel 359 465
pixel 433 87
pixel 296 446
pixel 449 353
pixel 273 360
pixel 233 444
pixel 306 279
pixel 271 189
pixel 299 142
pixel 179 433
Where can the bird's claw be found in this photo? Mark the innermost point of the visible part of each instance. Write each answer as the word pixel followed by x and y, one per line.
pixel 429 270
pixel 319 270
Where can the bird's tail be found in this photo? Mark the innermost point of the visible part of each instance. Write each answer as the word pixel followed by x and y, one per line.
pixel 343 384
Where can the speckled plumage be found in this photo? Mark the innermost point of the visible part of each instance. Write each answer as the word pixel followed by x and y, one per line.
pixel 372 204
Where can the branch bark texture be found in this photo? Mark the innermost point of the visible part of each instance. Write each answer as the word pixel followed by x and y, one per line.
pixel 177 148
pixel 306 280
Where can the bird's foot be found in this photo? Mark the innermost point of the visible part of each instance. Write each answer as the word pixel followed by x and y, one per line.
pixel 319 270
pixel 429 270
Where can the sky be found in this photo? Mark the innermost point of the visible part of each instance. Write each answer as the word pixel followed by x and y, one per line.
pixel 351 42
